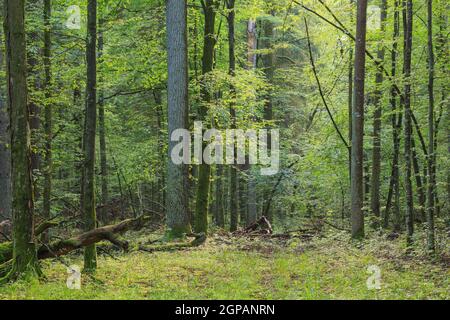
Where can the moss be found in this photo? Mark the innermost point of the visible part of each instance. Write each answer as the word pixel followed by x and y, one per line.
pixel 5 251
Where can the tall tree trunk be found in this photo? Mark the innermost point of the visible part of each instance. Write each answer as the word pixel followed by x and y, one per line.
pixel 376 154
pixel 431 151
pixel 252 45
pixel 234 192
pixel 358 123
pixel 48 113
pixel 396 120
pixel 268 66
pixel 101 122
pixel 90 252
pixel 407 25
pixel 178 219
pixel 204 171
pixel 350 99
pixel 24 250
pixel 5 148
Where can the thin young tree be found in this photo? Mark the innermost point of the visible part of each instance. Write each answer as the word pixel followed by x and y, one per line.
pixel 178 220
pixel 407 26
pixel 234 197
pixel 90 252
pixel 357 182
pixel 431 156
pixel 48 111
pixel 25 261
pixel 376 154
pixel 101 121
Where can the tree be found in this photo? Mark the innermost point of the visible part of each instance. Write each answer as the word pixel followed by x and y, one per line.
pixel 90 252
pixel 407 26
pixel 234 194
pixel 376 154
pixel 5 148
pixel 25 261
pixel 204 171
pixel 178 220
pixel 431 156
pixel 358 122
pixel 101 122
pixel 48 110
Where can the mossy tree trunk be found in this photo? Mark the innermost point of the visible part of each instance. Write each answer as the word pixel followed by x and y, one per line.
pixel 204 171
pixel 24 261
pixel 90 253
pixel 48 113
pixel 5 150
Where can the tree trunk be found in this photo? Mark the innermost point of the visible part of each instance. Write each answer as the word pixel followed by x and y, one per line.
pixel 101 122
pixel 396 120
pixel 5 148
pixel 219 206
pixel 178 220
pixel 358 123
pixel 376 153
pixel 407 25
pixel 48 114
pixel 431 151
pixel 90 254
pixel 252 45
pixel 24 250
pixel 204 171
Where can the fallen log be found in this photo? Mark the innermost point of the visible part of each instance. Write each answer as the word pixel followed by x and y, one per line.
pixel 62 247
pixel 200 239
pixel 261 226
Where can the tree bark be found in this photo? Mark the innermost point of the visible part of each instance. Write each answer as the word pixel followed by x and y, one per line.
pixel 178 219
pixel 431 189
pixel 407 25
pixel 24 250
pixel 396 120
pixel 204 171
pixel 358 123
pixel 5 148
pixel 48 113
pixel 101 121
pixel 376 153
pixel 90 253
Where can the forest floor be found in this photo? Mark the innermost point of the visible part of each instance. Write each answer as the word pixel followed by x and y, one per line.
pixel 242 268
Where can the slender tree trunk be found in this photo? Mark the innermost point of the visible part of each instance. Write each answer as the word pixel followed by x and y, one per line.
pixel 178 220
pixel 90 254
pixel 396 120
pixel 268 66
pixel 358 123
pixel 48 114
pixel 234 192
pixel 160 120
pixel 419 183
pixel 252 45
pixel 24 250
pixel 219 206
pixel 204 172
pixel 407 24
pixel 431 151
pixel 101 122
pixel 376 154
pixel 5 143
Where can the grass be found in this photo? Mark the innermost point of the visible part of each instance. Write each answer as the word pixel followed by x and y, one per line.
pixel 243 269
